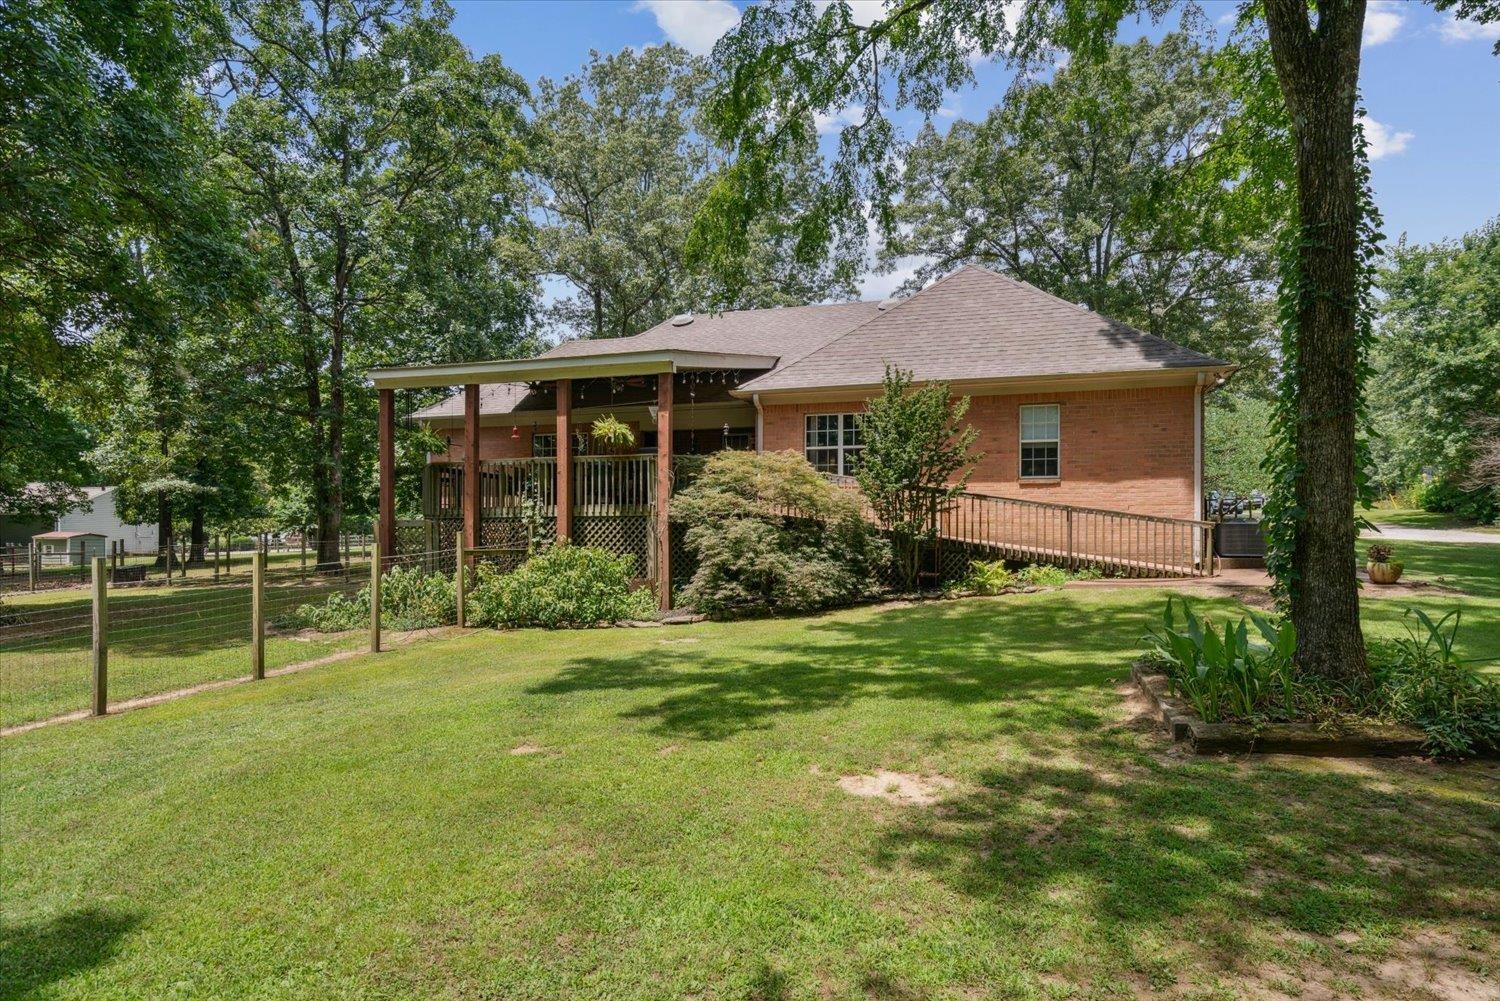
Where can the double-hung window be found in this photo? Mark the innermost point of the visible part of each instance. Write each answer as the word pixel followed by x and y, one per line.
pixel 544 446
pixel 1040 439
pixel 832 442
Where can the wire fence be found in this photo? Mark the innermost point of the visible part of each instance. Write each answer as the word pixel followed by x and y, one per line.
pixel 45 566
pixel 161 637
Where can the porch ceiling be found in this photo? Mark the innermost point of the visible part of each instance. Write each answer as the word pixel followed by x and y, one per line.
pixel 624 363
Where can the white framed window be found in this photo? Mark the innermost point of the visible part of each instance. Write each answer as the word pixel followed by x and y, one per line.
pixel 544 446
pixel 832 443
pixel 1041 438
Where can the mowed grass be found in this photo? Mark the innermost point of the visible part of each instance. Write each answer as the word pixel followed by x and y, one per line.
pixel 650 813
pixel 1408 517
pixel 160 639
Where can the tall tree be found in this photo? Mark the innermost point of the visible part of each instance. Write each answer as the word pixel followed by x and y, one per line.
pixel 1104 185
pixel 101 147
pixel 619 170
pixel 378 165
pixel 787 60
pixel 1437 355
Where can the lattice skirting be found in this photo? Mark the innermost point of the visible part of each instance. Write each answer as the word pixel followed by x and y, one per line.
pixel 684 560
pixel 495 531
pixel 628 535
pixel 412 537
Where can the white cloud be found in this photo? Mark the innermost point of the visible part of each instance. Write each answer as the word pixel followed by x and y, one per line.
pixel 947 111
pixel 836 120
pixel 1383 140
pixel 873 287
pixel 693 24
pixel 1383 20
pixel 1456 30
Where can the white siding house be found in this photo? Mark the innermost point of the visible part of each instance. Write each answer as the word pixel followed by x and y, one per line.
pixel 96 513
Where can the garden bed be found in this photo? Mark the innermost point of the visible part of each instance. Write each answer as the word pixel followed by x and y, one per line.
pixel 1356 740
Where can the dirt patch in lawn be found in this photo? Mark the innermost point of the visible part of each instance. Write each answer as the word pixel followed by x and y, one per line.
pixel 898 787
pixel 1429 964
pixel 525 749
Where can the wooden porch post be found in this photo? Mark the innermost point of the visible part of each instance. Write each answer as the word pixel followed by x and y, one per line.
pixel 663 488
pixel 387 507
pixel 564 459
pixel 471 501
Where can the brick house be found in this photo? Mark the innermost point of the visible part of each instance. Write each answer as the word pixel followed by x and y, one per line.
pixel 1074 410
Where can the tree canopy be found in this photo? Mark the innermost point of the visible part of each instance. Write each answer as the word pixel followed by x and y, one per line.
pixel 619 171
pixel 1437 357
pixel 378 168
pixel 1105 185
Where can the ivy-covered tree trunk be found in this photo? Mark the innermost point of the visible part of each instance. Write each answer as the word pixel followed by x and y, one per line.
pixel 1318 69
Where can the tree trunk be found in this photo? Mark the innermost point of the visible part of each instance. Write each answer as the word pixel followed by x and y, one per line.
pixel 1318 70
pixel 164 531
pixel 331 515
pixel 197 538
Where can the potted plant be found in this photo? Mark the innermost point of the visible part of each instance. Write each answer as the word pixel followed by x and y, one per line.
pixel 1382 569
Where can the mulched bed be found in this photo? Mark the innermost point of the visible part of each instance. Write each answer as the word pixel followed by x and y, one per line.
pixel 1354 740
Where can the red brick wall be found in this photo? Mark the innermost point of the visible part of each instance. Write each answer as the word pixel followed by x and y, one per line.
pixel 494 443
pixel 1122 449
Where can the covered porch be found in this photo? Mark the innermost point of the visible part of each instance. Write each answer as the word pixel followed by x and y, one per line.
pixel 527 458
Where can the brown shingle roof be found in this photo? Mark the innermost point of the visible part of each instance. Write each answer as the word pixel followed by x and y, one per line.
pixel 786 331
pixel 494 398
pixel 979 324
pixel 972 324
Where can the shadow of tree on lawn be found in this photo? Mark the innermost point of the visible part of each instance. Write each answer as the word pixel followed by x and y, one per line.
pixel 37 954
pixel 1051 656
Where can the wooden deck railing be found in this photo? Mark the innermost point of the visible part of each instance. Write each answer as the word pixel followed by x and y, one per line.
pixel 613 484
pixel 1139 545
pixel 1114 541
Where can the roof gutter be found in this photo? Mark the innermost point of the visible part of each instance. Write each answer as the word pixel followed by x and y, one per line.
pixel 1062 382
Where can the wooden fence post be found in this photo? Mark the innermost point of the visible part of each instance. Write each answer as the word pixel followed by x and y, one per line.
pixel 304 552
pixel 458 578
pixel 375 599
pixel 258 616
pixel 101 638
pixel 31 566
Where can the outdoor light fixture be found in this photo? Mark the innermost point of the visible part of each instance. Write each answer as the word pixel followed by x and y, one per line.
pixel 515 431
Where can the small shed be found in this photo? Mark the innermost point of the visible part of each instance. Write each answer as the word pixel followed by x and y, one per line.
pixel 69 547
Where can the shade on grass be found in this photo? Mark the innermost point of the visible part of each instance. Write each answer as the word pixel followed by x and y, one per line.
pixel 675 826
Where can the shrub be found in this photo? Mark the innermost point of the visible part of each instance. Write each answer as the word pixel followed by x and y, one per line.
pixel 1380 553
pixel 772 535
pixel 565 586
pixel 1420 681
pixel 916 459
pixel 409 599
pixel 1043 575
pixel 1230 675
pixel 1477 504
pixel 989 577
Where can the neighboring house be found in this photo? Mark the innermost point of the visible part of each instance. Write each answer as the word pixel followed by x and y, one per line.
pixel 96 513
pixel 69 547
pixel 1071 407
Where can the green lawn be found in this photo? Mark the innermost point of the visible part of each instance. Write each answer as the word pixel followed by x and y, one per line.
pixel 1409 517
pixel 645 813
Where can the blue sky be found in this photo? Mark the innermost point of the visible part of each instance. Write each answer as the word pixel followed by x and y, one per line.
pixel 1431 86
